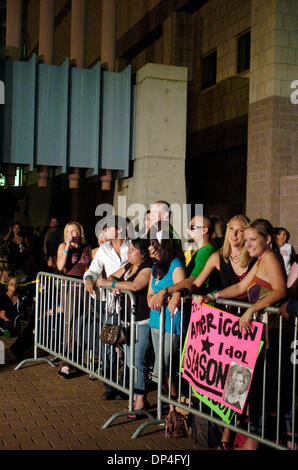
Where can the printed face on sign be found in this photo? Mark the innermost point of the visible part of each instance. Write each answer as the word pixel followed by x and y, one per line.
pixel 219 359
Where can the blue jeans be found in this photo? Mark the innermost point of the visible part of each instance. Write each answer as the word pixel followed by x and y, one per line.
pixel 140 350
pixel 167 349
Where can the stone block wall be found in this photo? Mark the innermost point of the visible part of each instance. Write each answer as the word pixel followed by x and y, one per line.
pixel 273 117
pixel 217 25
pixel 289 207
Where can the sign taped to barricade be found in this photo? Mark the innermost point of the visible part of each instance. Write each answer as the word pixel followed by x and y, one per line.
pixel 219 359
pixel 225 413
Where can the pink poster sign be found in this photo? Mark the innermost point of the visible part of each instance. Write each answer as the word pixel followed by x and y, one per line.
pixel 219 359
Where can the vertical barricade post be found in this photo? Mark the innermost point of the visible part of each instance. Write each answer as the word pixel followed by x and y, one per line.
pixel 39 294
pixel 131 325
pixel 158 420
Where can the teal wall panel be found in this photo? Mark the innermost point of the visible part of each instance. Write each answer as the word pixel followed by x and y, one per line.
pixel 52 115
pixel 18 113
pixel 66 117
pixel 116 120
pixel 84 118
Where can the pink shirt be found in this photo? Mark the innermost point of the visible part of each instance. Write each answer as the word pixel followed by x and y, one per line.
pixel 293 274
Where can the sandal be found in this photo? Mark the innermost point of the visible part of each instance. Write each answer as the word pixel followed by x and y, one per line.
pixel 138 415
pixel 69 372
pixel 225 446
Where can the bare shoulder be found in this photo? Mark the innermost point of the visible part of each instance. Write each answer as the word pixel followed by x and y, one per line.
pixel 273 264
pixel 271 258
pixel 61 246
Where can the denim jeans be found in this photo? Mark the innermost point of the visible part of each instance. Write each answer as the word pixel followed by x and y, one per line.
pixel 140 351
pixel 167 349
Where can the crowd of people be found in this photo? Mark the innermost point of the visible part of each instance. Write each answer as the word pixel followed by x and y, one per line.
pixel 238 259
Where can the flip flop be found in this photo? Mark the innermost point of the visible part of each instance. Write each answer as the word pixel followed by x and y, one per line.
pixel 225 446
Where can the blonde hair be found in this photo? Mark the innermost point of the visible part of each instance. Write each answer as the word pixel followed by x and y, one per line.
pixel 79 229
pixel 265 229
pixel 225 249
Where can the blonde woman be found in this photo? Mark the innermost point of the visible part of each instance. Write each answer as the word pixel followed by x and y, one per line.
pixel 232 261
pixel 73 259
pixel 74 254
pixel 265 285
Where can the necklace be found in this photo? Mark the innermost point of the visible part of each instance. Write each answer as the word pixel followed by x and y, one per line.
pixel 235 259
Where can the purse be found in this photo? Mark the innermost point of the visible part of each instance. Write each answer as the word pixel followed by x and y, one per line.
pixel 113 335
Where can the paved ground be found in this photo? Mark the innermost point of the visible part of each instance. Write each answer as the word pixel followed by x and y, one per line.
pixel 41 411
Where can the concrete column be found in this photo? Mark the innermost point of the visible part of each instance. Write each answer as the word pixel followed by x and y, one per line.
pixel 108 34
pixel 14 29
pixel 77 35
pixel 160 140
pixel 77 56
pixel 46 30
pixel 46 52
pixel 108 46
pixel 273 116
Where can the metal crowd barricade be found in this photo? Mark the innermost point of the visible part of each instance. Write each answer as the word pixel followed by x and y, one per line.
pixel 68 322
pixel 185 397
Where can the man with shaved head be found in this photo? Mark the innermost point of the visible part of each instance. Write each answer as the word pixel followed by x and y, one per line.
pixel 200 229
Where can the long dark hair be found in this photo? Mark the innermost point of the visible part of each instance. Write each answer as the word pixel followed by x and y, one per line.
pixel 168 249
pixel 141 244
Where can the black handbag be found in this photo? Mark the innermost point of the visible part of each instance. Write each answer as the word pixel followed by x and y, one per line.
pixel 113 335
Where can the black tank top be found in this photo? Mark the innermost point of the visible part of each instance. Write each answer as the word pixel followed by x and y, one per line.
pixel 228 277
pixel 142 309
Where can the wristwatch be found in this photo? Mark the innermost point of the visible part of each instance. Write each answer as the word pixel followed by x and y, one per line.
pixel 165 289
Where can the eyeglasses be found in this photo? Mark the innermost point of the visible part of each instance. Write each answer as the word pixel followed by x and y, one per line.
pixel 193 227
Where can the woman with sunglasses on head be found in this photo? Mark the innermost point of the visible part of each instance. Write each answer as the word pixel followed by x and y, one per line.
pixel 135 276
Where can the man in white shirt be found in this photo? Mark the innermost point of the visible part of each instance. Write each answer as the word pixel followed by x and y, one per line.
pixel 109 257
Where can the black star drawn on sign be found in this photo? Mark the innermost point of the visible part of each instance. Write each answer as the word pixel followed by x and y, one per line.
pixel 206 345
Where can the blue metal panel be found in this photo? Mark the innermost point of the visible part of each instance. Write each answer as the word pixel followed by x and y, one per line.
pixel 6 69
pixel 19 112
pixel 133 121
pixel 84 118
pixel 116 120
pixel 52 115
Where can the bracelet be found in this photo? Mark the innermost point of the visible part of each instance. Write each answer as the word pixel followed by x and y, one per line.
pixel 113 284
pixel 165 289
pixel 217 295
pixel 88 277
pixel 65 251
